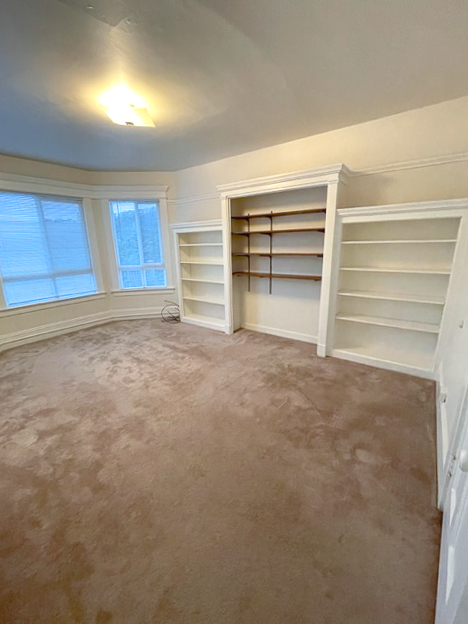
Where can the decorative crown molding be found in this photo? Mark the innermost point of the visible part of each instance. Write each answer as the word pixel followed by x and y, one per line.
pixel 427 206
pixel 196 225
pixel 411 164
pixel 293 180
pixel 45 186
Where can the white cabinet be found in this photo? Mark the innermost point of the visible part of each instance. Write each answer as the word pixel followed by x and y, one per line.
pixel 200 262
pixel 393 268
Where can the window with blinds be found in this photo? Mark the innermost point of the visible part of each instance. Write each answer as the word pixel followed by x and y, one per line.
pixel 44 250
pixel 138 246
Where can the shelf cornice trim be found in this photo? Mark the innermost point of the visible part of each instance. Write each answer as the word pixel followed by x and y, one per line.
pixel 196 225
pixel 287 181
pixel 426 206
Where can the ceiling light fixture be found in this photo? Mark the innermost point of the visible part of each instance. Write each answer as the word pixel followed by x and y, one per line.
pixel 125 108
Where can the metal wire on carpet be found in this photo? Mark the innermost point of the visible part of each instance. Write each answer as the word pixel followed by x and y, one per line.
pixel 170 313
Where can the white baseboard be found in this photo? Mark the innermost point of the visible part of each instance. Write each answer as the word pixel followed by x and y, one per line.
pixel 283 333
pixel 343 354
pixel 205 324
pixel 321 350
pixel 16 339
pixel 134 313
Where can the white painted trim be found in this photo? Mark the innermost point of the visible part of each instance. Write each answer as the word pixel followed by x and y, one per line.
pixel 143 291
pixel 284 182
pixel 283 333
pixel 442 437
pixel 227 251
pixel 193 226
pixel 417 163
pixel 134 313
pixel 326 322
pixel 385 364
pixel 397 209
pixel 105 207
pixel 228 282
pixel 190 199
pixel 166 240
pixel 41 332
pixel 25 184
pixel 205 324
pixel 94 251
pixel 39 307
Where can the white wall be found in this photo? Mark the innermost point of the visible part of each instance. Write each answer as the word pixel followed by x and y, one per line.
pixel 32 322
pixel 417 155
pixel 427 150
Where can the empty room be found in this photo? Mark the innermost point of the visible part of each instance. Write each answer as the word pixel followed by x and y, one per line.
pixel 233 312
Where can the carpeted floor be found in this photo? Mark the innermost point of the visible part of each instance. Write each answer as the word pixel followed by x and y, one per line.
pixel 173 475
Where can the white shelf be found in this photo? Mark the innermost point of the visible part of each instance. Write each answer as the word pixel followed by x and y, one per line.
pixel 412 363
pixel 426 299
pixel 203 300
pixel 401 241
pixel 201 245
pixel 394 267
pixel 204 320
pixel 204 280
pixel 414 271
pixel 211 263
pixel 200 270
pixel 394 323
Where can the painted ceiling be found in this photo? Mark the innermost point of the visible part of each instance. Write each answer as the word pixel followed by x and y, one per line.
pixel 220 77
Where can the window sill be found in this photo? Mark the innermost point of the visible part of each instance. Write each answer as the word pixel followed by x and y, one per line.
pixel 38 307
pixel 144 291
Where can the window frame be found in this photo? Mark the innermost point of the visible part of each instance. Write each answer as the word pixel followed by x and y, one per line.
pixel 114 258
pixel 94 267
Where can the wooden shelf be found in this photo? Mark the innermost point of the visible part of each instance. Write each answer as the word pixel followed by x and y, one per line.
pixel 290 231
pixel 395 323
pixel 202 280
pixel 425 299
pixel 400 242
pixel 387 270
pixel 264 215
pixel 315 278
pixel 202 300
pixel 278 253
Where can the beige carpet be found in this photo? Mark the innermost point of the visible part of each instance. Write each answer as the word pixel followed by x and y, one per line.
pixel 174 475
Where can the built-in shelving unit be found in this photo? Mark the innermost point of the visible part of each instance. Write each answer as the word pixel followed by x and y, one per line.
pixel 252 227
pixel 393 277
pixel 200 256
pixel 281 236
pixel 314 278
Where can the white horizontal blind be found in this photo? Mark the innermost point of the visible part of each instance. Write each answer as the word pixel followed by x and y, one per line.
pixel 138 246
pixel 44 252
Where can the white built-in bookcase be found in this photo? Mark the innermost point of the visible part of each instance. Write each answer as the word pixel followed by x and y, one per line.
pixel 200 266
pixel 391 281
pixel 279 238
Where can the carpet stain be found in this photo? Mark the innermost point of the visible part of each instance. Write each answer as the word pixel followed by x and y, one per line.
pixel 167 474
